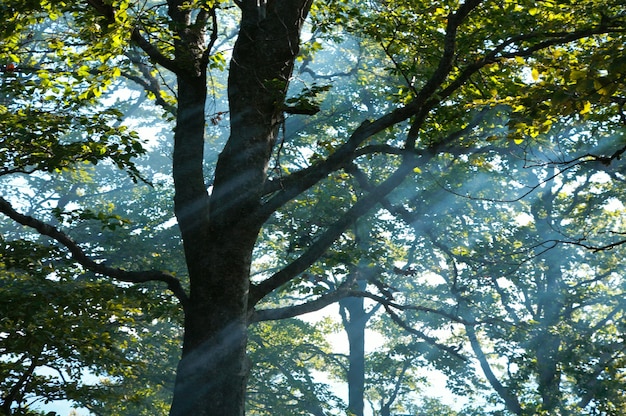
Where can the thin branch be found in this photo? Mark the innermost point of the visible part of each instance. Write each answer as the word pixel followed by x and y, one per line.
pixel 591 384
pixel 151 85
pixel 390 304
pixel 453 351
pixel 108 12
pixel 213 39
pixel 511 401
pixel 497 53
pixel 81 258
pixel 580 243
pixel 519 197
pixel 14 395
pixel 398 384
pixel 149 82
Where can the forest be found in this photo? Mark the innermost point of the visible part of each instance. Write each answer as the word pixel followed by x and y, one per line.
pixel 312 207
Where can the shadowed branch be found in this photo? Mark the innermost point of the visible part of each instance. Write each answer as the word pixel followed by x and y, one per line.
pixel 81 258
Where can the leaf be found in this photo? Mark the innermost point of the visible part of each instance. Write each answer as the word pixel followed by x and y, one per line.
pixel 586 108
pixel 535 74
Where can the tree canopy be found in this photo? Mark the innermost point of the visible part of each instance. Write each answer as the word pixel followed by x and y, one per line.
pixel 457 164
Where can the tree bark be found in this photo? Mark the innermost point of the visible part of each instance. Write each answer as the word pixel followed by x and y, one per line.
pixel 219 230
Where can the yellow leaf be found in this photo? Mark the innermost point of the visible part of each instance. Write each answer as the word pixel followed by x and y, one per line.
pixel 586 108
pixel 535 74
pixel 417 170
pixel 83 71
pixel 533 132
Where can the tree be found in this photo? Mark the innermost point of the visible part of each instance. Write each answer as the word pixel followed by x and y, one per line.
pixel 451 63
pixel 60 323
pixel 515 278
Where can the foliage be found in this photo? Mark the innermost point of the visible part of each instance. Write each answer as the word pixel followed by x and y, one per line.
pixel 60 333
pixel 478 144
pixel 286 356
pixel 513 276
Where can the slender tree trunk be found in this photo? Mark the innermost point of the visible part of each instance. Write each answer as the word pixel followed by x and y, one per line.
pixel 354 326
pixel 355 317
pixel 548 342
pixel 355 329
pixel 219 231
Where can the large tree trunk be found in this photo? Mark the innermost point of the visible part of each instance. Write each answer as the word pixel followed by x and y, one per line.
pixel 219 231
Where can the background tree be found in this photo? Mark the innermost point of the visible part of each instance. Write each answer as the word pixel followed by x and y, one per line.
pixel 521 276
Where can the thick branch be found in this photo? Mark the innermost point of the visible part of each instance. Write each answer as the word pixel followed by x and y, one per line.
pixel 292 185
pixel 153 52
pixel 81 258
pixel 449 47
pixel 260 69
pixel 309 257
pixel 297 310
pixel 299 181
